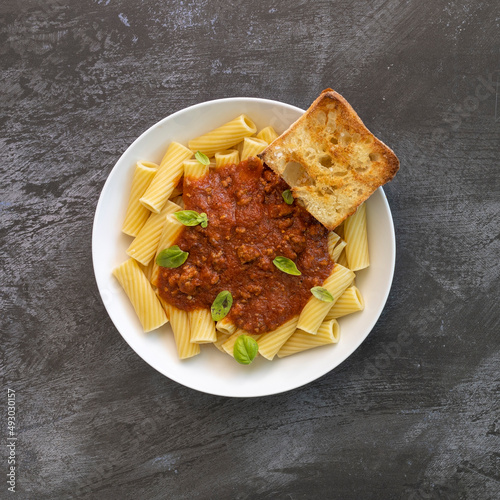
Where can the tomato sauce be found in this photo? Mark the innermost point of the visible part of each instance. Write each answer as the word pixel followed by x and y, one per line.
pixel 249 224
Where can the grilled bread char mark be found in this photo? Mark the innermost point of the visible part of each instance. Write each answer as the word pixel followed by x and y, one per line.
pixel 331 161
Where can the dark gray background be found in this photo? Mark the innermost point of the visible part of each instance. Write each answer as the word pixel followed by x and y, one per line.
pixel 401 418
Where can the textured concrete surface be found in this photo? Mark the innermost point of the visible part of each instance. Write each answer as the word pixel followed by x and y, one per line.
pixel 412 420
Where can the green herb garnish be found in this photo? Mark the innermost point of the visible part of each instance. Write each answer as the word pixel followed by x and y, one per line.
pixel 202 158
pixel 286 265
pixel 221 305
pixel 245 349
pixel 322 294
pixel 287 196
pixel 172 257
pixel 192 218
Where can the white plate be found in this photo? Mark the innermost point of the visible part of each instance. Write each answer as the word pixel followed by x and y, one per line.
pixel 212 371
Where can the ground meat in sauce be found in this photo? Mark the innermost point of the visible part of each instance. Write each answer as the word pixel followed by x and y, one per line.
pixel 249 225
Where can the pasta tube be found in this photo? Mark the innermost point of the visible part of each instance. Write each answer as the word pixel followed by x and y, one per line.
pixel 179 320
pixel 226 326
pixel 338 250
pixel 349 302
pixel 137 214
pixel 315 310
pixel 357 240
pixel 194 169
pixel 333 239
pixel 141 295
pixel 144 246
pixel 270 343
pixel 267 134
pixel 252 147
pixel 167 177
pixel 328 333
pixel 229 157
pixel 224 137
pixel 202 326
pixel 172 228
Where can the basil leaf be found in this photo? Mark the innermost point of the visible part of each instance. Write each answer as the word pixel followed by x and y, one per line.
pixel 287 196
pixel 202 158
pixel 191 218
pixel 286 265
pixel 204 220
pixel 322 294
pixel 221 305
pixel 172 257
pixel 245 349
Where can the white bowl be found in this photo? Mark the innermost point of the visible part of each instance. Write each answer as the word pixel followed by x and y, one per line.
pixel 212 371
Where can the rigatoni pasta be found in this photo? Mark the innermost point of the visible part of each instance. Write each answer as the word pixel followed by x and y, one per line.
pixel 202 327
pixel 166 178
pixel 267 134
pixel 337 251
pixel 252 147
pixel 179 320
pixel 270 343
pixel 141 295
pixel 194 169
pixel 224 137
pixel 349 302
pixel 226 326
pixel 137 214
pixel 315 310
pixel 145 244
pixel 171 230
pixel 328 333
pixel 333 239
pixel 229 157
pixel 356 238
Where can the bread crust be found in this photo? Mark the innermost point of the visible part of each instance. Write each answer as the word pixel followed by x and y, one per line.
pixel 332 162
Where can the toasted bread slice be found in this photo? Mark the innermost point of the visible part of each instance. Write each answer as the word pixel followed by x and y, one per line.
pixel 331 161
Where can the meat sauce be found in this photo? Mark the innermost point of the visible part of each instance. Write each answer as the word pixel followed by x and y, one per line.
pixel 249 224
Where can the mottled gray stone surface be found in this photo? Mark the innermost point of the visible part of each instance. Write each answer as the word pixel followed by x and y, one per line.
pixel 81 80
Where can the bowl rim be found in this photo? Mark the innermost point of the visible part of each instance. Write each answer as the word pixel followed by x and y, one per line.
pixel 308 379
